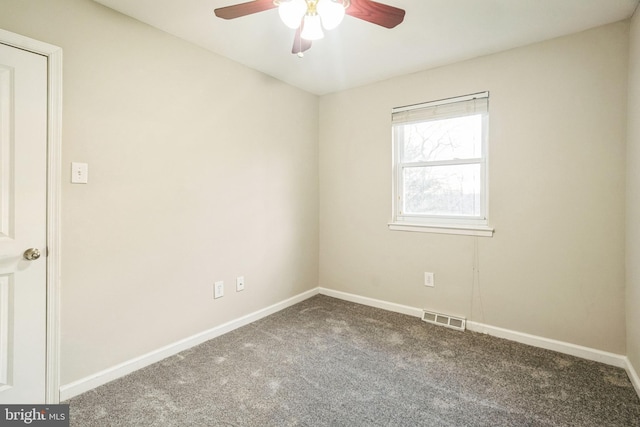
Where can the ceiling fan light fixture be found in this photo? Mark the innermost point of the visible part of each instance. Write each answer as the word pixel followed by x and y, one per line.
pixel 291 12
pixel 309 17
pixel 312 28
pixel 331 12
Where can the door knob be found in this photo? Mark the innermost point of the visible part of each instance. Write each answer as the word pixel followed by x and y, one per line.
pixel 31 254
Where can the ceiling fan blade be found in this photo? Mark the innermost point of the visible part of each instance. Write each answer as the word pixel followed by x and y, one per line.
pixel 243 9
pixel 300 45
pixel 376 13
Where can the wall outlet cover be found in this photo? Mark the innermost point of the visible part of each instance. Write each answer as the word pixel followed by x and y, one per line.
pixel 218 289
pixel 429 280
pixel 79 173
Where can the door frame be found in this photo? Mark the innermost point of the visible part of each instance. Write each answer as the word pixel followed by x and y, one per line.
pixel 54 154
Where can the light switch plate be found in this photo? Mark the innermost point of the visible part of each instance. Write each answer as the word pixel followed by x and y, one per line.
pixel 79 173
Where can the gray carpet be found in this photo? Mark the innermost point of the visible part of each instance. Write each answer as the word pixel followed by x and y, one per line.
pixel 327 362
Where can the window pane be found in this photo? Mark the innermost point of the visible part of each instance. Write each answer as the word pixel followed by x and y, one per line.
pixel 442 190
pixel 448 139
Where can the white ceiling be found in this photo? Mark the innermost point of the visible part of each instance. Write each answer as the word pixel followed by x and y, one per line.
pixel 434 33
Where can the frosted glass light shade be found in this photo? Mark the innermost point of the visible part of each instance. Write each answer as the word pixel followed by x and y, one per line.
pixel 312 29
pixel 331 12
pixel 291 12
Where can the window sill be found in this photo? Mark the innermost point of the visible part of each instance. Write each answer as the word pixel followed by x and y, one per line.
pixel 466 230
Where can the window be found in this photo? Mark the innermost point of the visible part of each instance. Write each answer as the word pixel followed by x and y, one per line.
pixel 440 166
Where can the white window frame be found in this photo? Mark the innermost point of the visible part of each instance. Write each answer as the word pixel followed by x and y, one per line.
pixel 449 224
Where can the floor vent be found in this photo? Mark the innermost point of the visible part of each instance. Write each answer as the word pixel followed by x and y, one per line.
pixel 447 321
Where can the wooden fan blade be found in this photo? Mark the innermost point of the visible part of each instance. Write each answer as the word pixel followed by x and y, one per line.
pixel 376 13
pixel 243 9
pixel 299 44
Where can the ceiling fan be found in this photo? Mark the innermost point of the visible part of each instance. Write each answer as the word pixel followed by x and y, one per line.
pixel 308 17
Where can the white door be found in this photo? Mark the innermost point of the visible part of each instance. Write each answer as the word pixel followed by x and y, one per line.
pixel 23 165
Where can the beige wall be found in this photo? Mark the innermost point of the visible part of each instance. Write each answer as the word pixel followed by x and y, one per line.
pixel 202 170
pixel 199 170
pixel 633 199
pixel 555 266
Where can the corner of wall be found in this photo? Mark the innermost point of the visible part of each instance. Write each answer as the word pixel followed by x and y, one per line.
pixel 633 204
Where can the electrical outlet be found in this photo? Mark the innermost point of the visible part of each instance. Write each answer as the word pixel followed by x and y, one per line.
pixel 429 280
pixel 218 290
pixel 79 173
pixel 239 283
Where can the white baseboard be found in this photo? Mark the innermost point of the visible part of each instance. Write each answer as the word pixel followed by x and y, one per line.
pixel 75 388
pixel 371 302
pixel 536 341
pixel 88 383
pixel 550 344
pixel 633 376
pixel 587 353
